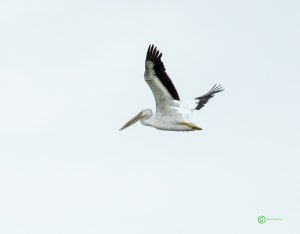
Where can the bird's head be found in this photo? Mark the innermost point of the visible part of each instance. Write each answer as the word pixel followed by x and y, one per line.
pixel 144 114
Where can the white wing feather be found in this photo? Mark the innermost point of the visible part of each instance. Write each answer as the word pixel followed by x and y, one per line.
pixel 163 99
pixel 185 109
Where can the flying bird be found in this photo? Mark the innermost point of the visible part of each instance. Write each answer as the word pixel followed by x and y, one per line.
pixel 171 113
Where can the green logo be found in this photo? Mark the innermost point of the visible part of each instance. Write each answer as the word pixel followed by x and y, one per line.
pixel 262 219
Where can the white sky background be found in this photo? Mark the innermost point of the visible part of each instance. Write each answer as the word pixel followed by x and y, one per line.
pixel 71 74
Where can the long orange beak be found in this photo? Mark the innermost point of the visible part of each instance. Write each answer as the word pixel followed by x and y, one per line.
pixel 132 121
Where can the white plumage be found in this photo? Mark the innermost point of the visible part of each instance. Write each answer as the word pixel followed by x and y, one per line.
pixel 171 114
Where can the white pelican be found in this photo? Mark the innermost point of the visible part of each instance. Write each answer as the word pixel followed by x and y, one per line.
pixel 171 114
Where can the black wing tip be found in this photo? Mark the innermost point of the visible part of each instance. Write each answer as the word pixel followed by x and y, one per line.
pixel 204 98
pixel 153 54
pixel 216 89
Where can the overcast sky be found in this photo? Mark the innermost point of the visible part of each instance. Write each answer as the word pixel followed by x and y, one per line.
pixel 71 74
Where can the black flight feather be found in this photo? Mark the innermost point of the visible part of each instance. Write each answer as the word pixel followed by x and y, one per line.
pixel 204 98
pixel 154 56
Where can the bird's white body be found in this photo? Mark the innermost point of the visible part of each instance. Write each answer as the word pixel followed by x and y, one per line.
pixel 166 122
pixel 171 114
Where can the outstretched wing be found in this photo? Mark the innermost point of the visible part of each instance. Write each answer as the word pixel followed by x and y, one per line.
pixel 161 85
pixel 202 100
pixel 185 109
